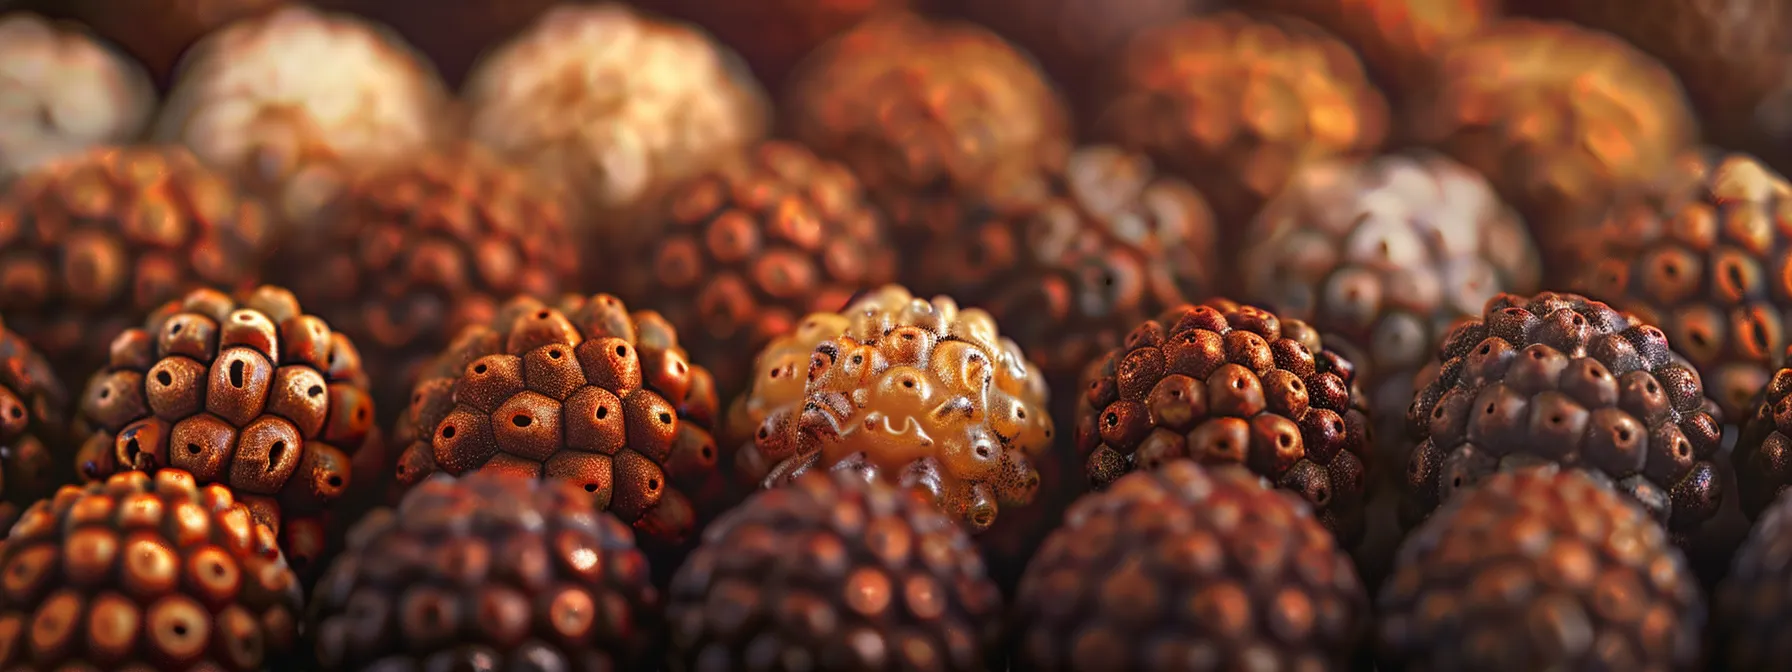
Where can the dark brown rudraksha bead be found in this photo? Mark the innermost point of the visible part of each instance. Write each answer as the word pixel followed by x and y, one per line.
pixel 1189 568
pixel 1236 103
pixel 33 429
pixel 1566 379
pixel 1763 452
pixel 897 388
pixel 412 254
pixel 95 242
pixel 1542 568
pixel 1220 383
pixel 835 572
pixel 747 250
pixel 580 390
pixel 145 571
pixel 490 571
pixel 249 392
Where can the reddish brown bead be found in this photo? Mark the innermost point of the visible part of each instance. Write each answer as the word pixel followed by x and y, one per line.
pixel 1763 452
pixel 1189 568
pixel 1730 55
pixel 247 392
pixel 488 571
pixel 1109 244
pixel 1235 104
pixel 749 249
pixel 557 390
pixel 1221 382
pixel 96 241
pixel 838 573
pixel 1706 264
pixel 897 388
pixel 145 571
pixel 935 117
pixel 33 430
pixel 1563 378
pixel 414 253
pixel 1560 118
pixel 1541 568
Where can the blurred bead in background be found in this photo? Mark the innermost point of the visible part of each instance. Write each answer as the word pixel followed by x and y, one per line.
pixel 64 92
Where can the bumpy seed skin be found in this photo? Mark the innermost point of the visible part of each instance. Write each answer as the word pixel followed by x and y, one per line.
pixel 1073 39
pixel 96 241
pixel 1730 54
pixel 1707 265
pixel 412 254
pixel 295 100
pixel 1562 378
pixel 909 391
pixel 1382 257
pixel 145 571
pixel 66 93
pixel 32 427
pixel 251 393
pixel 834 572
pixel 747 250
pixel 1542 568
pixel 1763 452
pixel 1753 606
pixel 580 390
pixel 773 36
pixel 1107 244
pixel 1186 568
pixel 1560 118
pixel 1225 383
pixel 156 32
pixel 1236 103
pixel 935 117
pixel 615 104
pixel 490 571
pixel 1401 41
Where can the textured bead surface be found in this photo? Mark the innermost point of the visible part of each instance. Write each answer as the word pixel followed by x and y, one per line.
pixel 145 572
pixel 1752 621
pixel 1401 41
pixel 1225 383
pixel 1235 104
pixel 1102 242
pixel 901 389
pixel 1763 452
pixel 1540 569
pixel 66 93
pixel 33 427
pixel 1186 568
pixel 1560 118
pixel 580 390
pixel 615 104
pixel 1706 263
pixel 933 116
pixel 489 571
pixel 1382 257
pixel 94 242
pixel 834 573
pixel 294 101
pixel 749 249
pixel 416 252
pixel 1566 379
pixel 250 392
